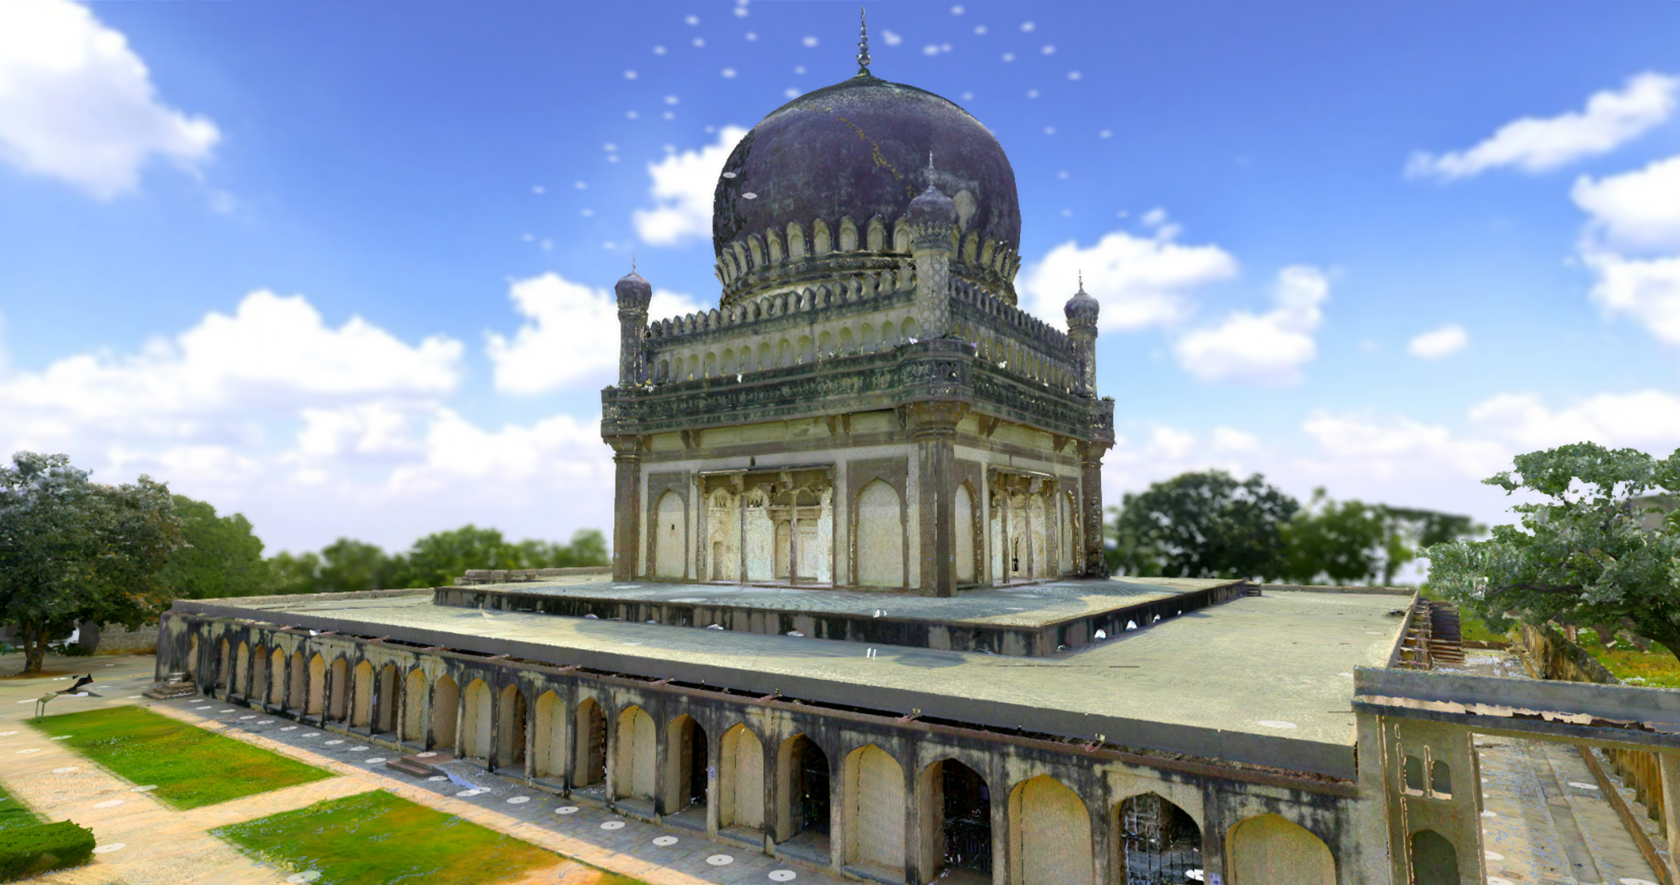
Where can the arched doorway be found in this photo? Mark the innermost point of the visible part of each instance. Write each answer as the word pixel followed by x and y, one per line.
pixel 591 724
pixel 634 765
pixel 874 797
pixel 259 675
pixel 338 706
pixel 277 679
pixel 1434 860
pixel 1050 832
pixel 222 656
pixel 741 779
pixel 414 708
pixel 362 704
pixel 685 765
pixel 957 809
pixel 475 722
pixel 880 536
pixel 803 769
pixel 317 685
pixel 510 733
pixel 1156 840
pixel 1268 848
pixel 191 664
pixel 550 737
pixel 385 700
pixel 670 536
pixel 295 698
pixel 445 706
pixel 964 534
pixel 241 671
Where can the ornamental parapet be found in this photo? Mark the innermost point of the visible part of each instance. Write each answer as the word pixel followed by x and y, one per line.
pixel 780 258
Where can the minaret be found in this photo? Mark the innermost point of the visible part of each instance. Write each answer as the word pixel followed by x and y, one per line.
pixel 863 44
pixel 633 296
pixel 933 218
pixel 1081 312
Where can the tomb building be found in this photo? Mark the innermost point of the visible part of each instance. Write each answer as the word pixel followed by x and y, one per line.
pixel 857 617
pixel 867 406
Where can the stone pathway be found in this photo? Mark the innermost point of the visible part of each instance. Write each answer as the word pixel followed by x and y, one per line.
pixel 1544 818
pixel 162 845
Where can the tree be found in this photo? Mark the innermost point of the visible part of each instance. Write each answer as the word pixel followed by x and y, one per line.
pixel 72 550
pixel 295 573
pixel 220 557
pixel 1411 531
pixel 588 547
pixel 1204 525
pixel 1581 556
pixel 348 565
pixel 439 558
pixel 1344 541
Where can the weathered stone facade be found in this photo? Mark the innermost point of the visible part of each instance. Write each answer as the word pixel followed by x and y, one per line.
pixel 868 412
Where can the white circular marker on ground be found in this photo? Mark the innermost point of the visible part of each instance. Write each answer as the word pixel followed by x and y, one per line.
pixel 30 750
pixel 566 809
pixel 304 877
pixel 1580 786
pixel 468 794
pixel 147 788
pixel 358 749
pixel 133 696
pixel 438 777
pixel 613 825
pixel 26 701
pixel 720 860
pixel 1490 814
pixel 1276 723
pixel 1494 855
pixel 107 849
pixel 783 875
pixel 518 800
pixel 375 760
pixel 6 734
pixel 289 728
pixel 108 803
pixel 331 743
pixel 66 770
pixel 426 755
pixel 248 717
pixel 664 841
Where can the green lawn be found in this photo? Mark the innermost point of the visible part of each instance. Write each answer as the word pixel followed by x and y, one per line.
pixel 14 814
pixel 377 838
pixel 1657 668
pixel 190 766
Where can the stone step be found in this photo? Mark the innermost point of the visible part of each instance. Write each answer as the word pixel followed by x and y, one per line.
pixel 408 768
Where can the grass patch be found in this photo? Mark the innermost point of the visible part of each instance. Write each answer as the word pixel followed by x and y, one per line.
pixel 15 814
pixel 1470 628
pixel 191 767
pixel 376 837
pixel 1657 668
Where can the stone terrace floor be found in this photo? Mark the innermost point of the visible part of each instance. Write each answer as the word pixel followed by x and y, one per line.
pixel 1026 604
pixel 161 845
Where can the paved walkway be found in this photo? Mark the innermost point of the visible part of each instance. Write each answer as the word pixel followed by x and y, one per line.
pixel 162 845
pixel 1545 819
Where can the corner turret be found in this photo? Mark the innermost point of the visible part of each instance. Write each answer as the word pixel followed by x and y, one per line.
pixel 1081 312
pixel 634 293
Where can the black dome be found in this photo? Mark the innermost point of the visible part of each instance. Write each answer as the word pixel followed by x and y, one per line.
pixel 860 148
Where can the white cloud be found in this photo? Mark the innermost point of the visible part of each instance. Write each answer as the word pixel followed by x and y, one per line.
pixel 1634 210
pixel 1140 281
pixel 1647 290
pixel 1646 419
pixel 570 335
pixel 1267 348
pixel 1440 342
pixel 1532 144
pixel 683 186
pixel 78 105
pixel 1228 439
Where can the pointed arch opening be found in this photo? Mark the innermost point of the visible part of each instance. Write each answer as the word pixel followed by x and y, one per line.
pixel 414 708
pixel 591 769
pixel 295 692
pixel 363 702
pixel 1156 840
pixel 1434 859
pixel 549 743
pixel 740 780
pixel 803 779
pixel 475 722
pixel 511 716
pixel 277 678
pixel 1050 835
pixel 1269 848
pixel 317 685
pixel 880 536
pixel 338 706
pixel 635 758
pixel 965 534
pixel 874 822
pixel 670 536
pixel 957 820
pixel 446 701
pixel 685 767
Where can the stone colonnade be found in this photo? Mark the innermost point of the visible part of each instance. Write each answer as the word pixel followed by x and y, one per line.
pixel 873 796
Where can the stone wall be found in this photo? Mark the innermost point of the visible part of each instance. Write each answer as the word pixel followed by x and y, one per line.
pixel 1552 656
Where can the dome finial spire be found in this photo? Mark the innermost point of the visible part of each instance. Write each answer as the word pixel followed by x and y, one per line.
pixel 863 42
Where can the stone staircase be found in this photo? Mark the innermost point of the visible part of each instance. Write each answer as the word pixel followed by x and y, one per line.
pixel 1434 637
pixel 420 764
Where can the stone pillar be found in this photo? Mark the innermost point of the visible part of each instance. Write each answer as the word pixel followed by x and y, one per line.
pixel 633 296
pixel 933 218
pixel 1090 489
pixel 627 505
pixel 1669 763
pixel 933 428
pixel 1081 311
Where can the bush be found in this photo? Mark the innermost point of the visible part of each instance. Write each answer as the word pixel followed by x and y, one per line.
pixel 30 851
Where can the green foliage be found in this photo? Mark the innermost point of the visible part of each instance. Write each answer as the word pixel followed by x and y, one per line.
pixel 375 837
pixel 14 815
pixel 221 556
pixel 190 766
pixel 435 560
pixel 30 851
pixel 1351 542
pixel 1204 525
pixel 72 550
pixel 1581 557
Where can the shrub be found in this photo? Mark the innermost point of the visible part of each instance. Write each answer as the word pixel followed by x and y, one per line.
pixel 30 851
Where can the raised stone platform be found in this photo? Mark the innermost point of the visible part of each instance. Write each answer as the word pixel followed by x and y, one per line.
pixel 1021 620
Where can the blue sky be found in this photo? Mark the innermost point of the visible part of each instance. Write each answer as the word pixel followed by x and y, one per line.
pixel 344 267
